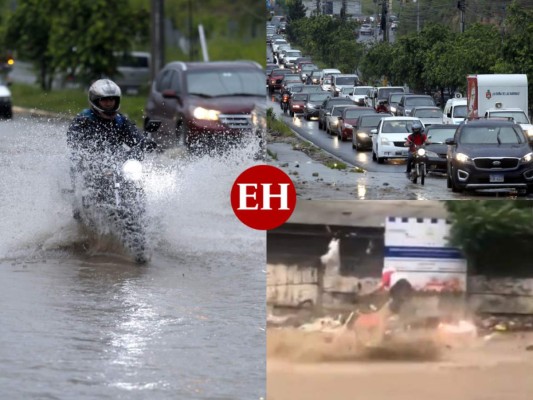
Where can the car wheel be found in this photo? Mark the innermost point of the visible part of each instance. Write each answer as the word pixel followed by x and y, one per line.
pixel 374 158
pixel 455 187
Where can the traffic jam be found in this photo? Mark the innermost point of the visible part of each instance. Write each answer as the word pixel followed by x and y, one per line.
pixel 475 144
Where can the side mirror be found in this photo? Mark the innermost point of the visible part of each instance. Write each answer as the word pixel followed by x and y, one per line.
pixel 373 131
pixel 449 141
pixel 449 115
pixel 328 113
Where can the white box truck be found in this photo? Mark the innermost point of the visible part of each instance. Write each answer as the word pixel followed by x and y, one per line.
pixel 422 269
pixel 499 96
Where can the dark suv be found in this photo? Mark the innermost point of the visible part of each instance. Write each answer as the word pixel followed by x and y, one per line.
pixel 206 103
pixel 489 154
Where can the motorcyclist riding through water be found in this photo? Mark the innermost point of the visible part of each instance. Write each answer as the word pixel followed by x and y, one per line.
pixel 416 138
pixel 102 143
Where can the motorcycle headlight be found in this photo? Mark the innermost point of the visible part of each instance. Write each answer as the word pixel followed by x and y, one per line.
pixel 362 134
pixel 421 152
pixel 132 170
pixel 527 158
pixel 205 114
pixel 462 157
pixel 393 109
pixel 348 126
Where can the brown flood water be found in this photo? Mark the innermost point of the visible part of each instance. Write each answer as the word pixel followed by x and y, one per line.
pixel 302 365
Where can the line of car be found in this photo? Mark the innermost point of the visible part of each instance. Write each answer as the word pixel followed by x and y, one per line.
pixel 474 154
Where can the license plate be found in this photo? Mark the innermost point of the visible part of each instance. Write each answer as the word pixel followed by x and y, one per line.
pixel 496 178
pixel 401 153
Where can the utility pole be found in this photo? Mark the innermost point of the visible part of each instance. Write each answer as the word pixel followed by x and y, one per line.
pixel 318 7
pixel 191 41
pixel 461 5
pixel 157 38
pixel 384 22
pixel 418 16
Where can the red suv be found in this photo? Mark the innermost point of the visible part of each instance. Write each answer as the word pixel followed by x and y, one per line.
pixel 205 104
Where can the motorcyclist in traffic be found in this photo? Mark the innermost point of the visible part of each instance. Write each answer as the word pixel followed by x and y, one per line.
pixel 416 138
pixel 382 108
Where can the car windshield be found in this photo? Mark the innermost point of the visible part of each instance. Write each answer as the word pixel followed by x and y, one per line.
pixel 518 116
pixel 360 91
pixel 459 112
pixel 370 121
pixel 402 126
pixel 299 97
pixel 395 98
pixel 318 97
pixel 311 88
pixel 309 67
pixel 428 113
pixel 346 80
pixel 347 90
pixel 439 135
pixel 227 82
pixel 293 54
pixel 280 72
pixel 337 111
pixel 384 92
pixel 490 135
pixel 355 113
pixel 419 101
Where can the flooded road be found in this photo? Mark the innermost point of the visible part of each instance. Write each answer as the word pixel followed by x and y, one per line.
pixel 79 320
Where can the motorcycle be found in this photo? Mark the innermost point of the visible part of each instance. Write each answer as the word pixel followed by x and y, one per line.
pixel 285 102
pixel 109 197
pixel 419 167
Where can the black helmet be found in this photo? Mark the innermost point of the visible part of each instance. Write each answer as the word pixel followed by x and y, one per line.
pixel 417 127
pixel 104 88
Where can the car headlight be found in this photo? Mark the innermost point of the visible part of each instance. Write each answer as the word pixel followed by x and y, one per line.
pixel 527 158
pixel 385 142
pixel 462 157
pixel 311 106
pixel 431 154
pixel 132 170
pixel 205 114
pixel 421 152
pixel 529 132
pixel 335 122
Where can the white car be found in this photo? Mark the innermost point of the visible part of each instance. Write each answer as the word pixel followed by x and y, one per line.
pixel 428 115
pixel 389 137
pixel 290 56
pixel 326 83
pixel 517 114
pixel 357 94
pixel 6 109
pixel 276 43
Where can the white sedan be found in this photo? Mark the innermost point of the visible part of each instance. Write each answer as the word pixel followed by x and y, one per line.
pixel 389 137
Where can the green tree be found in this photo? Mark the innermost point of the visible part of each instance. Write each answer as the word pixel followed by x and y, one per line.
pixel 485 229
pixel 296 10
pixel 75 35
pixel 28 31
pixel 517 47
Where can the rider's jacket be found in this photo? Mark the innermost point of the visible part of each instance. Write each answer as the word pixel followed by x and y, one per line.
pixel 92 135
pixel 416 140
